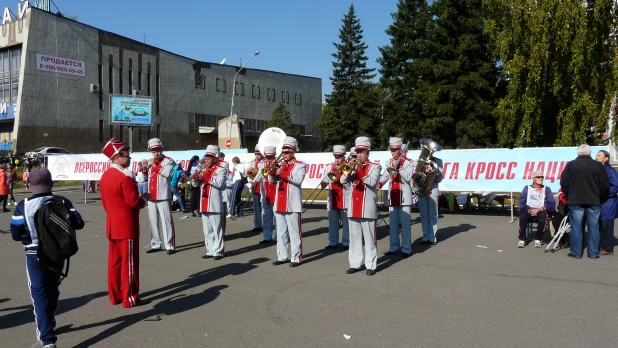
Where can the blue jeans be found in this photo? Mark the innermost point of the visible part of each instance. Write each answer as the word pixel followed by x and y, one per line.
pixel 257 211
pixel 179 198
pixel 607 235
pixel 236 203
pixel 142 187
pixel 576 216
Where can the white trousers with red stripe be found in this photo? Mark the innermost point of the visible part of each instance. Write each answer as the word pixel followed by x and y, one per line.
pixel 289 232
pixel 359 229
pixel 213 233
pixel 156 210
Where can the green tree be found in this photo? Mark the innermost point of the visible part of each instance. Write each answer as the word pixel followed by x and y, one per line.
pixel 350 108
pixel 557 58
pixel 281 119
pixel 439 73
pixel 402 64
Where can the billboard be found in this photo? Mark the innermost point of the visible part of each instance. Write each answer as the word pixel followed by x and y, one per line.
pixel 130 110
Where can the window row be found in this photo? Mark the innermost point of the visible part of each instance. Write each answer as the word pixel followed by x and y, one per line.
pixel 239 90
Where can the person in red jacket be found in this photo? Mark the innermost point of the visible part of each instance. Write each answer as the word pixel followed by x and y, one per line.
pixel 122 203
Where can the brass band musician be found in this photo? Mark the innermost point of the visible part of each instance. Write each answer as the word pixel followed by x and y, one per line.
pixel 338 196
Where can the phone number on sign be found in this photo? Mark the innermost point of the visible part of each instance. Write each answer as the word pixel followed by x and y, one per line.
pixel 61 69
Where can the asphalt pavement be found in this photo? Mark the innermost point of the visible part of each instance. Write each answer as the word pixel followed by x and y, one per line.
pixel 454 294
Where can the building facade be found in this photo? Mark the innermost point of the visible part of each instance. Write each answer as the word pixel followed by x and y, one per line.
pixel 57 75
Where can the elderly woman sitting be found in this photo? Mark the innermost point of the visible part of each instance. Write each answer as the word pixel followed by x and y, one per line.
pixel 535 202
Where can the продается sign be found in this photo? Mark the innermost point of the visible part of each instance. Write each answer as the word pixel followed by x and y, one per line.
pixel 60 65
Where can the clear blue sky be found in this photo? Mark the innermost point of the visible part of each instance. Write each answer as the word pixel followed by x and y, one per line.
pixel 292 36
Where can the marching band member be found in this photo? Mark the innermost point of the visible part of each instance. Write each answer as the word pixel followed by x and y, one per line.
pixel 122 204
pixel 256 193
pixel 212 206
pixel 400 198
pixel 338 195
pixel 363 209
pixel 288 204
pixel 428 206
pixel 159 177
pixel 268 190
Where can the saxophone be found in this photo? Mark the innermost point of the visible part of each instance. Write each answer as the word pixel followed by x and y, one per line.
pixel 421 182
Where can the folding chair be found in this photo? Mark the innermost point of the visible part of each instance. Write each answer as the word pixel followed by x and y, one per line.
pixel 564 226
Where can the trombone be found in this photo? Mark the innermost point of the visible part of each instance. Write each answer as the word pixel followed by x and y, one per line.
pixel 316 192
pixel 252 173
pixel 394 170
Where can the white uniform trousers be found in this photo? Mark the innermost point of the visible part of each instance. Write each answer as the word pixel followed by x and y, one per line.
pixel 400 215
pixel 269 225
pixel 161 210
pixel 333 227
pixel 214 233
pixel 289 232
pixel 428 207
pixel 359 229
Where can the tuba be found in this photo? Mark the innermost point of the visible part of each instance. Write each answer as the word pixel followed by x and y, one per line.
pixel 421 182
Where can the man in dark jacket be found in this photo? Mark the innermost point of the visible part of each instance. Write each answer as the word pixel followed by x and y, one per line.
pixel 585 184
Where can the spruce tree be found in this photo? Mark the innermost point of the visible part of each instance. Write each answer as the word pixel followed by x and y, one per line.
pixel 458 90
pixel 281 119
pixel 350 109
pixel 402 64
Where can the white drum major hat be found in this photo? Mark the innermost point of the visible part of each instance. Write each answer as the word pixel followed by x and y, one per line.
pixel 212 151
pixel 395 143
pixel 338 150
pixel 155 144
pixel 362 143
pixel 270 150
pixel 290 143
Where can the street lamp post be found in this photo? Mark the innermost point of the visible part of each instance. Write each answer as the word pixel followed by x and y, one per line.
pixel 234 89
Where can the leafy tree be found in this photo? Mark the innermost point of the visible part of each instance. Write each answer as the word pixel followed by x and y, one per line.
pixel 350 108
pixel 560 66
pixel 281 119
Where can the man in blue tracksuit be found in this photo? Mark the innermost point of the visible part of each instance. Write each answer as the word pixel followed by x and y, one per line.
pixel 42 282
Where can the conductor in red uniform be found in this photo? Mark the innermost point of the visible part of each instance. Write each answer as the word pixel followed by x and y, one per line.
pixel 122 203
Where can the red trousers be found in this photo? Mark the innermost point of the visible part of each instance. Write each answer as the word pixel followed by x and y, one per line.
pixel 123 271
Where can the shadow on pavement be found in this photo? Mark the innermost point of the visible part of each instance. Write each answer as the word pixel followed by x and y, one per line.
pixel 175 302
pixel 25 314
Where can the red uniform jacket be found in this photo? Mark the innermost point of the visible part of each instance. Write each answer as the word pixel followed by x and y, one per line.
pixel 121 202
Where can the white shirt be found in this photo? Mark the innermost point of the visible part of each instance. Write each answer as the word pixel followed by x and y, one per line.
pixel 239 172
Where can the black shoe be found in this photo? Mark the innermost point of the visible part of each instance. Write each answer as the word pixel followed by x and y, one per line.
pixel 199 214
pixel 353 270
pixel 345 248
pixel 406 255
pixel 391 253
pixel 171 252
pixel 186 211
pixel 141 302
pixel 330 246
pixel 573 256
pixel 267 241
pixel 371 272
pixel 193 215
pixel 218 257
pixel 277 263
pixel 206 257
pixel 5 210
pixel 257 229
pixel 294 264
pixel 433 243
pixel 424 242
pixel 153 251
pixel 234 217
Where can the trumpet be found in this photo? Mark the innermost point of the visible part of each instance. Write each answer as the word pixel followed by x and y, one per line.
pixel 272 167
pixel 347 168
pixel 252 173
pixel 333 176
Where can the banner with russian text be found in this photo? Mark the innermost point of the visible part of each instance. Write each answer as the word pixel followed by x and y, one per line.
pixel 496 170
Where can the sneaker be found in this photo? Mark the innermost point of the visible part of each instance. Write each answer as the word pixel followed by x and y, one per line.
pixel 521 244
pixel 228 216
pixel 537 243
